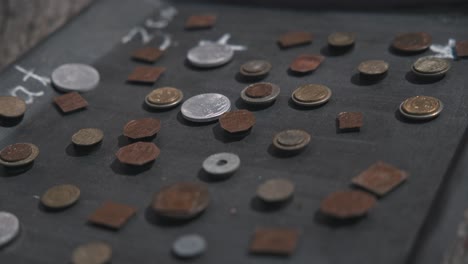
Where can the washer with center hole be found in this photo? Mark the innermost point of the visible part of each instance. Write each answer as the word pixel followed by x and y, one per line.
pixel 221 164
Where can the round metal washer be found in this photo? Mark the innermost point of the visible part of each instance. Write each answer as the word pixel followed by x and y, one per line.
pixel 205 107
pixel 221 163
pixel 210 55
pixel 421 117
pixel 189 246
pixel 262 100
pixel 312 103
pixel 9 228
pixel 75 77
pixel 28 160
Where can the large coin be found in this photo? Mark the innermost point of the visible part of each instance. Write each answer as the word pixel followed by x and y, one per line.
pixel 9 228
pixel 75 77
pixel 205 107
pixel 412 42
pixel 421 107
pixel 431 65
pixel 210 55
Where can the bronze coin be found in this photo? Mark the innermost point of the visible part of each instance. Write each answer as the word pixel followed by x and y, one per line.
pixel 306 63
pixel 255 68
pixel 70 102
pixel 380 178
pixel 237 121
pixel 275 190
pixel 348 121
pixel 200 21
pixel 259 90
pixel 12 107
pixel 275 241
pixel 182 200
pixel 16 152
pixel 92 253
pixel 421 105
pixel 138 154
pixel 292 39
pixel 112 215
pixel 461 48
pixel 147 54
pixel 164 96
pixel 291 140
pixel 373 67
pixel 23 162
pixel 347 204
pixel 311 93
pixel 430 65
pixel 341 39
pixel 142 128
pixel 87 137
pixel 60 196
pixel 146 74
pixel 412 42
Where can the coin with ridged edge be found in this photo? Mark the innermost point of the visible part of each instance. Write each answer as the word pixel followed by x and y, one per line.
pixel 60 196
pixel 164 97
pixel 430 67
pixel 311 95
pixel 421 107
pixel 261 93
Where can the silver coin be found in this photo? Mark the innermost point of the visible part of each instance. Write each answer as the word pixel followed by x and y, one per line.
pixel 189 246
pixel 75 77
pixel 260 100
pixel 422 117
pixel 9 228
pixel 210 55
pixel 221 164
pixel 205 107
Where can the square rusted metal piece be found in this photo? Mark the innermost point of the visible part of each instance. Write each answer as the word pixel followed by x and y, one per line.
pixel 70 102
pixel 350 121
pixel 292 39
pixel 112 215
pixel 146 74
pixel 461 47
pixel 380 178
pixel 200 21
pixel 147 54
pixel 275 241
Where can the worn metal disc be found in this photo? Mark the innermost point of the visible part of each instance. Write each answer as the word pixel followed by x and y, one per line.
pixel 291 140
pixel 311 95
pixel 12 107
pixel 210 55
pixel 142 128
pixel 255 68
pixel 9 228
pixel 75 77
pixel 23 162
pixel 221 164
pixel 430 67
pixel 16 152
pixel 421 107
pixel 237 121
pixel 412 42
pixel 205 107
pixel 260 93
pixel 347 204
pixel 60 196
pixel 92 253
pixel 164 97
pixel 189 246
pixel 275 190
pixel 373 67
pixel 341 39
pixel 87 137
pixel 138 154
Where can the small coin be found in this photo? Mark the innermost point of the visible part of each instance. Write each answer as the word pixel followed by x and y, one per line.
pixel 412 42
pixel 210 55
pixel 350 121
pixel 87 137
pixel 9 228
pixel 430 66
pixel 461 48
pixel 75 77
pixel 291 140
pixel 221 164
pixel 16 152
pixel 380 178
pixel 274 240
pixel 259 90
pixel 275 190
pixel 92 253
pixel 142 128
pixel 347 204
pixel 200 21
pixel 23 162
pixel 138 154
pixel 147 54
pixel 12 107
pixel 112 215
pixel 373 67
pixel 311 95
pixel 341 39
pixel 293 39
pixel 60 196
pixel 146 74
pixel 164 96
pixel 237 121
pixel 306 63
pixel 189 246
pixel 205 107
pixel 262 93
pixel 255 68
pixel 70 102
pixel 421 106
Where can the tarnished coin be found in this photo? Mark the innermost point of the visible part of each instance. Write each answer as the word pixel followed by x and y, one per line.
pixel 274 240
pixel 189 246
pixel 430 67
pixel 92 253
pixel 205 107
pixel 347 204
pixel 350 121
pixel 380 178
pixel 255 68
pixel 112 215
pixel 138 154
pixel 210 55
pixel 237 121
pixel 373 67
pixel 311 95
pixel 275 190
pixel 16 152
pixel 221 164
pixel 295 38
pixel 23 162
pixel 291 140
pixel 12 107
pixel 341 39
pixel 306 63
pixel 75 77
pixel 142 128
pixel 421 107
pixel 60 196
pixel 262 93
pixel 412 42
pixel 164 97
pixel 87 137
pixel 9 228
pixel 182 200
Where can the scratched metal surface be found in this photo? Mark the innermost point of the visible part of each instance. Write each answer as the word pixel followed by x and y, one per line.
pixel 387 235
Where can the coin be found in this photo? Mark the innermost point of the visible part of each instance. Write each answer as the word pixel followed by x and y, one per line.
pixel 311 95
pixel 275 190
pixel 306 63
pixel 183 200
pixel 112 215
pixel 430 67
pixel 274 240
pixel 70 102
pixel 373 67
pixel 341 39
pixel 205 107
pixel 255 68
pixel 87 137
pixel 145 74
pixel 138 154
pixel 461 48
pixel 259 90
pixel 350 121
pixel 237 121
pixel 291 140
pixel 16 152
pixel 221 164
pixel 295 38
pixel 164 97
pixel 147 54
pixel 75 77
pixel 9 228
pixel 380 178
pixel 142 128
pixel 12 107
pixel 60 196
pixel 92 253
pixel 260 93
pixel 210 55
pixel 200 21
pixel 347 204
pixel 189 246
pixel 23 162
pixel 412 42
pixel 421 107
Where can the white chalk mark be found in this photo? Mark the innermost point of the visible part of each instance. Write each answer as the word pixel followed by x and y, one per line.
pixel 165 16
pixel 29 95
pixel 444 51
pixel 166 42
pixel 145 36
pixel 30 74
pixel 224 39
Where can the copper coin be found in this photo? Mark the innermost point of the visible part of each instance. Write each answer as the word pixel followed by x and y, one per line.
pixel 259 90
pixel 146 74
pixel 306 63
pixel 70 102
pixel 275 190
pixel 147 54
pixel 430 66
pixel 23 162
pixel 461 47
pixel 311 95
pixel 291 140
pixel 292 39
pixel 347 204
pixel 237 121
pixel 142 128
pixel 112 215
pixel 60 196
pixel 341 39
pixel 373 67
pixel 87 137
pixel 16 152
pixel 421 105
pixel 348 121
pixel 200 21
pixel 12 107
pixel 412 42
pixel 182 200
pixel 138 154
pixel 255 68
pixel 380 178
pixel 275 241
pixel 92 253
